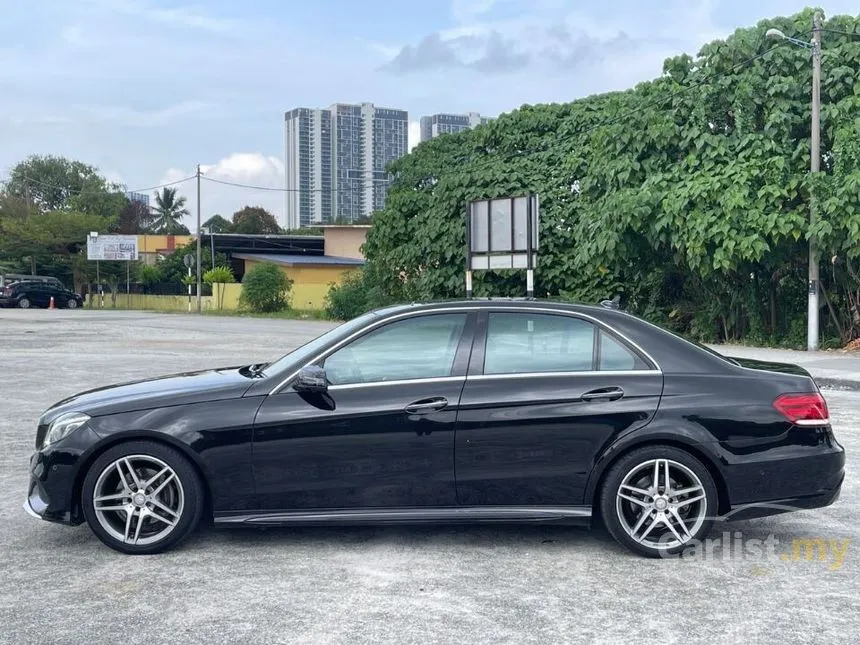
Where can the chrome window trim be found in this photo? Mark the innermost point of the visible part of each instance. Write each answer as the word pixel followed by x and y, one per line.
pixel 429 312
pixel 433 379
pixel 489 377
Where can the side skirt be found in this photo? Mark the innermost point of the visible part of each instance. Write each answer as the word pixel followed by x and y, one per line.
pixel 454 514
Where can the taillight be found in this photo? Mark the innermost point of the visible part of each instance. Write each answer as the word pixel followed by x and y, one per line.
pixel 803 409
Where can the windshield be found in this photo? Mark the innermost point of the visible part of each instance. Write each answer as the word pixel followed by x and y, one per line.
pixel 309 349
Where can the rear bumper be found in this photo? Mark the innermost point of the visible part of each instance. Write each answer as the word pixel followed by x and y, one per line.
pixel 775 507
pixel 786 478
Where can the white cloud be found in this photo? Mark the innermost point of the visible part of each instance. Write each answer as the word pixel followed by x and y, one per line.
pixel 144 118
pixel 248 168
pixel 74 35
pixel 187 17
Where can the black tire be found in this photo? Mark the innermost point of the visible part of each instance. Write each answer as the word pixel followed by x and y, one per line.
pixel 72 304
pixel 24 303
pixel 617 512
pixel 189 492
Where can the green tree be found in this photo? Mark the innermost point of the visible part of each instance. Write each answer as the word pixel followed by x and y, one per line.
pixel 265 288
pixel 134 217
pixel 218 224
pixel 149 275
pixel 174 270
pixel 255 220
pixel 169 211
pixel 687 195
pixel 48 183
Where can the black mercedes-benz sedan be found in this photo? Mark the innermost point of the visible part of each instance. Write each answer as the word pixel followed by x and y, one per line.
pixel 479 411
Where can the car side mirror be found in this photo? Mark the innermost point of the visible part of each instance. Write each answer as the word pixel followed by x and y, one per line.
pixel 311 378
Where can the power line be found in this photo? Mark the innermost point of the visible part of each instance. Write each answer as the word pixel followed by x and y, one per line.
pixel 839 31
pixel 363 184
pixel 31 180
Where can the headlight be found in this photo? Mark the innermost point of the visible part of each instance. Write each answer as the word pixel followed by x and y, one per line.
pixel 63 426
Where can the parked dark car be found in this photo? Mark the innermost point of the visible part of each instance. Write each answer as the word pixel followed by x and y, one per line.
pixel 485 411
pixel 36 293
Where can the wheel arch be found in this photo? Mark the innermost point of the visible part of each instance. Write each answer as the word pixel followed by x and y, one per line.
pixel 114 440
pixel 596 481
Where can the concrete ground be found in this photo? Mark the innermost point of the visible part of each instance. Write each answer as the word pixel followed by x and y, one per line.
pixel 499 584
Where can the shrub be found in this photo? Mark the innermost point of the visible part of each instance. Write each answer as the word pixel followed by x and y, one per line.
pixel 265 288
pixel 148 275
pixel 355 295
pixel 347 299
pixel 218 277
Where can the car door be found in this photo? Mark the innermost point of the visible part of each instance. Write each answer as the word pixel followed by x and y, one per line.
pixel 37 295
pixel 546 392
pixel 382 435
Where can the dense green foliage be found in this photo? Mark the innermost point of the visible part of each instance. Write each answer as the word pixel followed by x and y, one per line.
pixel 47 208
pixel 254 220
pixel 217 224
pixel 687 195
pixel 173 269
pixel 265 288
pixel 357 293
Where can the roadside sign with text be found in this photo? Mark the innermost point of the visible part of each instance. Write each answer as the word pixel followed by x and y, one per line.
pixel 112 247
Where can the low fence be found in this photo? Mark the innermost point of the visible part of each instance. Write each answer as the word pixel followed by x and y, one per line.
pixel 226 297
pixel 216 297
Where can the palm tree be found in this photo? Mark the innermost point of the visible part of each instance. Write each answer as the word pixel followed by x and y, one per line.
pixel 169 211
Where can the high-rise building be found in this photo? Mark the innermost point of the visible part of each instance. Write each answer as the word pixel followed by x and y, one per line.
pixel 336 159
pixel 436 124
pixel 308 196
pixel 143 198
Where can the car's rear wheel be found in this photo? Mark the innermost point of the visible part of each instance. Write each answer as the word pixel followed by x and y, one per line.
pixel 24 303
pixel 72 303
pixel 658 500
pixel 142 497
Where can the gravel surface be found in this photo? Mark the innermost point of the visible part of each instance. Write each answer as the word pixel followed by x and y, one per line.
pixel 499 584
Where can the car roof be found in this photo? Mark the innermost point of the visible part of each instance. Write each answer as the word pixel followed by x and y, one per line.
pixel 492 303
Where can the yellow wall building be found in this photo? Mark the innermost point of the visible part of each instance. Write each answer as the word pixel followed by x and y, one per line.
pixel 312 275
pixel 150 247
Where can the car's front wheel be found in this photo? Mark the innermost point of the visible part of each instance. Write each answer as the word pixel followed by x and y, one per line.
pixel 72 303
pixel 142 497
pixel 24 303
pixel 658 500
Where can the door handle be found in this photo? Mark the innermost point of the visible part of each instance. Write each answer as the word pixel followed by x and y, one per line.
pixel 603 394
pixel 425 406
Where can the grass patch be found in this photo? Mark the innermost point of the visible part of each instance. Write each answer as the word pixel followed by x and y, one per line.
pixel 285 314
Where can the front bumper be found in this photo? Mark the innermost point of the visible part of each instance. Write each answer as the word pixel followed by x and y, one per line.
pixel 52 493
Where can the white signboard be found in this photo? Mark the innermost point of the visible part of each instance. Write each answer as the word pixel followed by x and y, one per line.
pixel 112 247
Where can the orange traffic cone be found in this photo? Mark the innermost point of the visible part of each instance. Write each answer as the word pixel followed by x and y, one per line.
pixel 51 306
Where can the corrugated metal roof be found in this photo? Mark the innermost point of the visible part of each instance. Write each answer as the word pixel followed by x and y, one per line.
pixel 290 259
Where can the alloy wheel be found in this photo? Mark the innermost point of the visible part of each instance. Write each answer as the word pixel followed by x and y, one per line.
pixel 72 303
pixel 24 303
pixel 661 504
pixel 138 499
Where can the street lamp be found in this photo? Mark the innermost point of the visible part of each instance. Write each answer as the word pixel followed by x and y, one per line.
pixel 814 166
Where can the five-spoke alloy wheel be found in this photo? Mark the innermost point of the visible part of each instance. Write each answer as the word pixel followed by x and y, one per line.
pixel 142 497
pixel 657 499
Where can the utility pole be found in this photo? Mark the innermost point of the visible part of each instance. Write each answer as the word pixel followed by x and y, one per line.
pixel 29 214
pixel 814 167
pixel 199 295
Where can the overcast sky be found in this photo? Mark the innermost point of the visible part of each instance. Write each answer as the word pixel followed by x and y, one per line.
pixel 147 89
